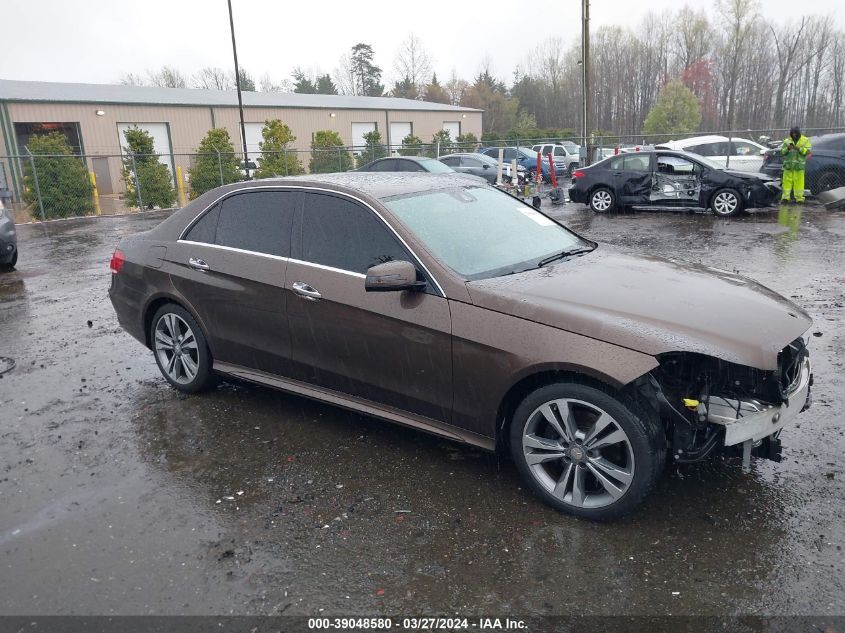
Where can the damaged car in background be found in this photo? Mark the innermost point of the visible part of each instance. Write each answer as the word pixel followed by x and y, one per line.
pixel 664 178
pixel 446 305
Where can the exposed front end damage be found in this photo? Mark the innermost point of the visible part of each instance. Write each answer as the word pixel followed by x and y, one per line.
pixel 708 404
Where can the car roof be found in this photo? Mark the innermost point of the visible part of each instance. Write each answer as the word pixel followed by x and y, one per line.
pixel 375 185
pixel 698 140
pixel 418 159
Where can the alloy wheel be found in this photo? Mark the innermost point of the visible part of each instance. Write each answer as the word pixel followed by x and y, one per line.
pixel 579 453
pixel 176 348
pixel 602 200
pixel 725 203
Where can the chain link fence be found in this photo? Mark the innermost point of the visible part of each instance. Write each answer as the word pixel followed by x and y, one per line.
pixel 39 187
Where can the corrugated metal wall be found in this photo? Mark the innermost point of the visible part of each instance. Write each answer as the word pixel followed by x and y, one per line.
pixel 188 124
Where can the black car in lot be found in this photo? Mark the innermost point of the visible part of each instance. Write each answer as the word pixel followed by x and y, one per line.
pixel 825 167
pixel 665 178
pixel 406 163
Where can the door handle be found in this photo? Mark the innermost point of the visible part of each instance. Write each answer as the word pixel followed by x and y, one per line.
pixel 198 264
pixel 306 291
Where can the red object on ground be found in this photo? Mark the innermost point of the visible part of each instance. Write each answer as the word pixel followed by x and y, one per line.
pixel 552 170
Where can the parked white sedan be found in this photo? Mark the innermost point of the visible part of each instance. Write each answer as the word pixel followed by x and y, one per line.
pixel 744 155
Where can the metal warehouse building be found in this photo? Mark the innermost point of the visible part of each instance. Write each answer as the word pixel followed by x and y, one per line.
pixel 93 117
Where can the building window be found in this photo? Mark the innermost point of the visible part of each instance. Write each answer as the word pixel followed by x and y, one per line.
pixel 25 131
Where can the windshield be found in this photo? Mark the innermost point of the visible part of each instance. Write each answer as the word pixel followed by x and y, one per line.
pixel 481 232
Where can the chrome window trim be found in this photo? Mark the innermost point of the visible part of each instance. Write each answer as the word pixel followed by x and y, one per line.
pixel 282 187
pixel 235 250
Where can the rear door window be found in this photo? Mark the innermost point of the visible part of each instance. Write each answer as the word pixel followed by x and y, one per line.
pixel 204 229
pixel 258 221
pixel 340 233
pixel 409 165
pixel 635 162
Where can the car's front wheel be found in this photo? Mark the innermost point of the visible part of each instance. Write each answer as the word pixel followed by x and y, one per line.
pixel 726 202
pixel 10 266
pixel 181 351
pixel 602 200
pixel 586 451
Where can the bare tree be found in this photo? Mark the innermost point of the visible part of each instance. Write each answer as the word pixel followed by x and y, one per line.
pixel 212 78
pixel 412 62
pixel 455 88
pixel 344 76
pixel 132 79
pixel 738 19
pixel 692 37
pixel 266 84
pixel 167 77
pixel 790 60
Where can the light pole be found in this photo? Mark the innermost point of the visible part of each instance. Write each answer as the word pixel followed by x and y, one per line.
pixel 238 86
pixel 585 75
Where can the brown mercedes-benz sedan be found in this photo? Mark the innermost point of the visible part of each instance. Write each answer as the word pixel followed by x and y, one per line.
pixel 452 307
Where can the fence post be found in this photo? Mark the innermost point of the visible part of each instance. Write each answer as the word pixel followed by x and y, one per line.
pixel 285 158
pixel 96 193
pixel 730 147
pixel 35 180
pixel 180 186
pixel 220 167
pixel 438 149
pixel 137 182
pixel 339 162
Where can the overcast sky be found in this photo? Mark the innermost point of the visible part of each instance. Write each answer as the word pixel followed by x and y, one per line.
pixel 99 41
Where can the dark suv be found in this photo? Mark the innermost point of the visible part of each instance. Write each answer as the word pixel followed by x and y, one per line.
pixel 449 306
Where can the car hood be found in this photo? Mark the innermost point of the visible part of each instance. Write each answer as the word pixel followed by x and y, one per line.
pixel 652 305
pixel 748 175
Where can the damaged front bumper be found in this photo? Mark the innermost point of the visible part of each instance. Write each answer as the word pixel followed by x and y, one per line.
pixel 753 421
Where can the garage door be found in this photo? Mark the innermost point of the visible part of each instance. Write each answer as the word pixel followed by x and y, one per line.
pixel 453 127
pixel 398 131
pixel 358 131
pixel 161 140
pixel 253 138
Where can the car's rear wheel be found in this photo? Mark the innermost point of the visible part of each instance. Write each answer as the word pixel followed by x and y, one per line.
pixel 586 451
pixel 726 202
pixel 12 262
pixel 180 349
pixel 828 180
pixel 602 200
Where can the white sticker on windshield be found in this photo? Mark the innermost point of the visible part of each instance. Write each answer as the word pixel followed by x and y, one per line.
pixel 539 218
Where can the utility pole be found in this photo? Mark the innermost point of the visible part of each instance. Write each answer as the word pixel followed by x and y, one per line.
pixel 238 86
pixel 585 75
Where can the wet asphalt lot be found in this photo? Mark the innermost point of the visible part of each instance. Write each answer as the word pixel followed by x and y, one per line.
pixel 120 496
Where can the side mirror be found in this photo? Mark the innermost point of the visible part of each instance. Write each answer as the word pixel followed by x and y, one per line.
pixel 392 276
pixel 486 166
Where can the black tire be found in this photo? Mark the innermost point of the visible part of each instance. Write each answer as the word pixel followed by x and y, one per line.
pixel 12 263
pixel 203 377
pixel 828 180
pixel 602 200
pixel 720 203
pixel 644 454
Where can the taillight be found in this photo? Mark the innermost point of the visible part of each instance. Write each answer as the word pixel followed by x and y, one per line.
pixel 578 174
pixel 116 262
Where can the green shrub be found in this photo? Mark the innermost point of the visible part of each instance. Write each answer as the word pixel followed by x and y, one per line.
pixel 373 148
pixel 411 146
pixel 208 172
pixel 329 154
pixel 275 160
pixel 153 177
pixel 63 179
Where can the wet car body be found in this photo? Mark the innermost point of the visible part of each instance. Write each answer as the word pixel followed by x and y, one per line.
pixel 669 179
pixel 467 356
pixel 8 238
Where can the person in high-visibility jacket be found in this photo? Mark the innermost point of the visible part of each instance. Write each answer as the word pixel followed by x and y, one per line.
pixel 794 150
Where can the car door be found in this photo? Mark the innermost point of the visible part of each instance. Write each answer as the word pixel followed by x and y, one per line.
pixel 392 348
pixel 745 156
pixel 632 178
pixel 476 167
pixel 677 181
pixel 230 267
